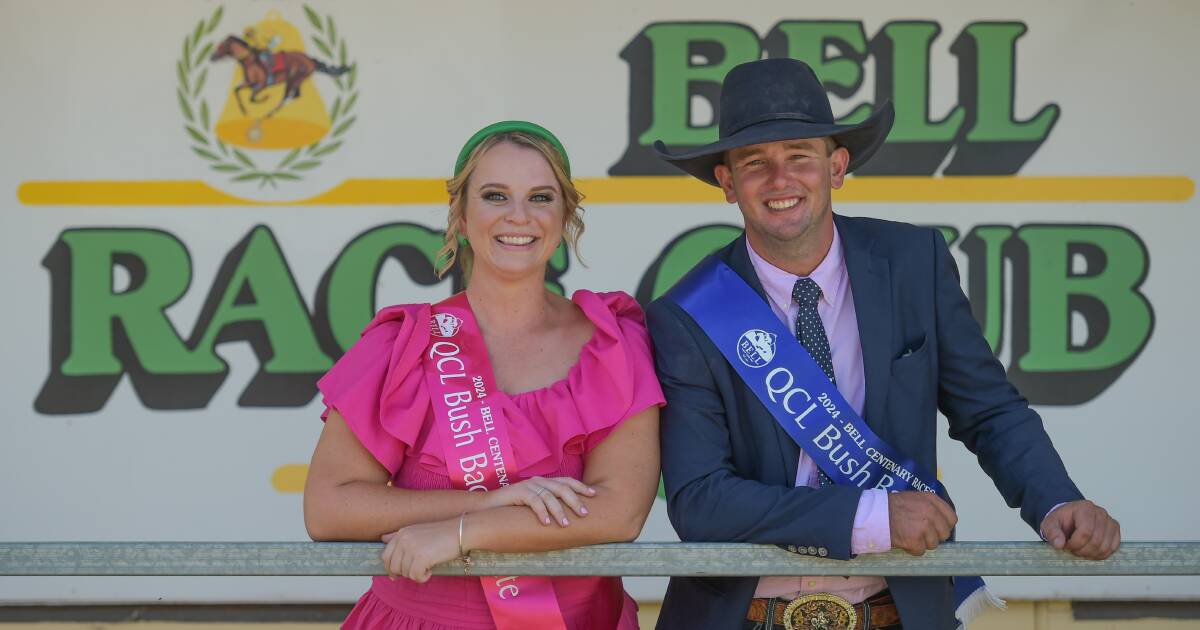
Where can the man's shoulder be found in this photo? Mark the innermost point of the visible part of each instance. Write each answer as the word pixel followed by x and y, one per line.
pixel 678 340
pixel 881 228
pixel 664 307
pixel 886 238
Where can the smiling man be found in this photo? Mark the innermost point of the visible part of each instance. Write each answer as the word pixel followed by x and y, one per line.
pixel 806 416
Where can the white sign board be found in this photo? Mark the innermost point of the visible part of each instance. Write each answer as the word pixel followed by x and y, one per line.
pixel 178 273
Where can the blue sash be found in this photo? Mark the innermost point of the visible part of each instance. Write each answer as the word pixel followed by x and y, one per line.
pixel 794 389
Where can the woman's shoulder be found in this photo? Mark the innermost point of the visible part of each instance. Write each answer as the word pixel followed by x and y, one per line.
pixel 611 308
pixel 377 385
pixel 397 336
pixel 620 339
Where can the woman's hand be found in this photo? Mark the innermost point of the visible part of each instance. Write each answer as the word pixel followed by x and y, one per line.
pixel 546 496
pixel 412 551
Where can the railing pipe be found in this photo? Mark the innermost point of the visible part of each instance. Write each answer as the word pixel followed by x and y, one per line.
pixel 628 559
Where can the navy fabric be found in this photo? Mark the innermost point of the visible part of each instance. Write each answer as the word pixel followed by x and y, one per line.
pixel 729 469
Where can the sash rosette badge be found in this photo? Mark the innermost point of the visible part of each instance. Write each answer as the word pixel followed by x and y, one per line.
pixel 444 325
pixel 756 348
pixel 275 126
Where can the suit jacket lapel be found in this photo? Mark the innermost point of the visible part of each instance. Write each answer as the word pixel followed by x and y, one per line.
pixel 870 280
pixel 736 256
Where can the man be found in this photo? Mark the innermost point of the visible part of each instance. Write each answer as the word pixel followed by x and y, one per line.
pixel 877 309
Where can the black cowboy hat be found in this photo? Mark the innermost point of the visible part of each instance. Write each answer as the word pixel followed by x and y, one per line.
pixel 778 99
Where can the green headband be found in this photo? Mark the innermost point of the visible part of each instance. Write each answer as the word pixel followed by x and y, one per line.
pixel 509 126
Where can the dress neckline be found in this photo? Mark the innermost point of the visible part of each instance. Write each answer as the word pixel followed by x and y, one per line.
pixel 575 366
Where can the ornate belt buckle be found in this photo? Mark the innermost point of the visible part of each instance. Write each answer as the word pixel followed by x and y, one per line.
pixel 819 611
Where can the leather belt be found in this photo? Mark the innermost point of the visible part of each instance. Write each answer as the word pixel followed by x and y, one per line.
pixel 823 611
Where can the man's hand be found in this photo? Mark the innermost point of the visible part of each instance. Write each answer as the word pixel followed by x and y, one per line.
pixel 919 521
pixel 1083 528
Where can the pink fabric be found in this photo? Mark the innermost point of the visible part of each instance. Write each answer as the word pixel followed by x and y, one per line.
pixel 379 388
pixel 871 532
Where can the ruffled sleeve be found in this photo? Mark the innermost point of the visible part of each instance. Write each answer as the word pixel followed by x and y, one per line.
pixel 613 380
pixel 378 385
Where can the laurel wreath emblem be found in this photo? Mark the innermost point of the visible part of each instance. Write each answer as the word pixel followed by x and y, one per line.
pixel 192 73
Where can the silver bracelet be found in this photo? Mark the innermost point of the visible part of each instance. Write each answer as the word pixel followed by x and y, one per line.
pixel 465 556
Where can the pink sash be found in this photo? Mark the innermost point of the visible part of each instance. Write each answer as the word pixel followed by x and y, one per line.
pixel 477 448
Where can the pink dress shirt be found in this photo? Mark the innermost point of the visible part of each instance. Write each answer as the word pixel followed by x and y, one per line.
pixel 871 532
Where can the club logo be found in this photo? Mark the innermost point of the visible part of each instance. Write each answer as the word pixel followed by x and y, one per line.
pixel 444 325
pixel 756 348
pixel 273 104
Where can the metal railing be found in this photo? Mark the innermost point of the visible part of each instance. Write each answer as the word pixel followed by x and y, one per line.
pixel 628 559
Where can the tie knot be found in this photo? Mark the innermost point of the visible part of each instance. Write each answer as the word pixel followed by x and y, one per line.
pixel 806 292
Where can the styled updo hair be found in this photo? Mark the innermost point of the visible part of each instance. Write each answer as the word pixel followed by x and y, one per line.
pixel 453 250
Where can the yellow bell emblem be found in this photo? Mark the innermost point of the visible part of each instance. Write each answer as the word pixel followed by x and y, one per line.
pixel 272 104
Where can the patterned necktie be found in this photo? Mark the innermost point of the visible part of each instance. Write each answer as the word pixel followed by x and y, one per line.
pixel 811 333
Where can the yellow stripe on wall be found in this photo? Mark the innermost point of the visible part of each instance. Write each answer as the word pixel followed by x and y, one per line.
pixel 1010 189
pixel 356 192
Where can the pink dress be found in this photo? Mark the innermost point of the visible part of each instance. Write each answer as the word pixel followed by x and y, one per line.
pixel 379 388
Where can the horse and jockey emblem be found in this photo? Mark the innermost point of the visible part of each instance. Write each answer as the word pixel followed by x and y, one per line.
pixel 262 69
pixel 272 53
pixel 274 101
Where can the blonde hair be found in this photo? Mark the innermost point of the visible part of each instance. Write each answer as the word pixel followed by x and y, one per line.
pixel 453 251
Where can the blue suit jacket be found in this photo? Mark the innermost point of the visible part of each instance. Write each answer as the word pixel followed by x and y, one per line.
pixel 729 468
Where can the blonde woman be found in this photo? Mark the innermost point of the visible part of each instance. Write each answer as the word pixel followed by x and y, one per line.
pixel 505 418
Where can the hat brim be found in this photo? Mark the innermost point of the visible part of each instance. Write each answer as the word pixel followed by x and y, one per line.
pixel 861 140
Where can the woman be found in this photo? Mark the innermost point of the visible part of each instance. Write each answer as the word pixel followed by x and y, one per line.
pixel 505 418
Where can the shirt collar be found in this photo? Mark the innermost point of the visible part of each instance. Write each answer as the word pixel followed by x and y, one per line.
pixel 778 283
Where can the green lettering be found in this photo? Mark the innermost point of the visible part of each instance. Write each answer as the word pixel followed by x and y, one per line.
pixel 104 328
pixel 916 144
pixel 907 75
pixel 676 76
pixel 1118 316
pixel 159 270
pixel 996 143
pixel 996 56
pixel 255 298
